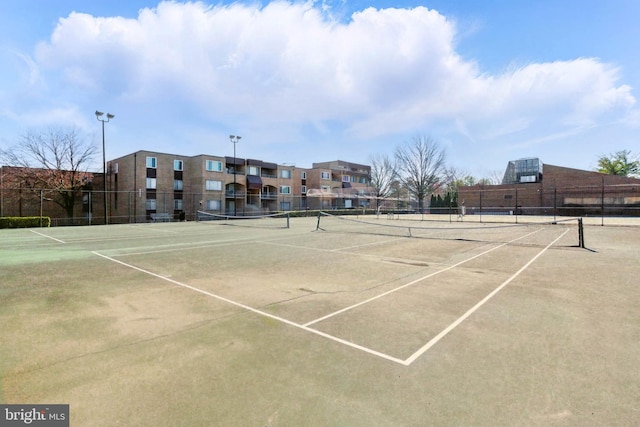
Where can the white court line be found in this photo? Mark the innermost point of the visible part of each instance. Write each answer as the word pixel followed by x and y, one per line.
pixel 262 313
pixel 186 246
pixel 48 237
pixel 180 247
pixel 287 245
pixel 473 309
pixel 157 229
pixel 343 250
pixel 413 282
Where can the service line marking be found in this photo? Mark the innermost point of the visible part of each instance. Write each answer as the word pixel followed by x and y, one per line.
pixel 48 237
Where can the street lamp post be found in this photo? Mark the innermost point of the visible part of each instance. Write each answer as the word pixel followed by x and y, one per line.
pixel 234 139
pixel 99 115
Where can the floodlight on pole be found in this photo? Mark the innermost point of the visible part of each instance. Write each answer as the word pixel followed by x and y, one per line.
pixel 234 140
pixel 99 114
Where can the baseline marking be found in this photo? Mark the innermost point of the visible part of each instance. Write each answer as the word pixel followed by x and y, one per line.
pixel 473 309
pixel 48 237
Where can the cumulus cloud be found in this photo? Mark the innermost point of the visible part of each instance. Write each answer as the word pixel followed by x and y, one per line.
pixel 379 72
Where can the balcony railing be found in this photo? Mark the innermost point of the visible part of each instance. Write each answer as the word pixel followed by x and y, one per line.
pixel 237 195
pixel 269 196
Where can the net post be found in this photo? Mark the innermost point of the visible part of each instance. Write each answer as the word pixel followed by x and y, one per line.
pixel 580 233
pixel 318 223
pixel 287 219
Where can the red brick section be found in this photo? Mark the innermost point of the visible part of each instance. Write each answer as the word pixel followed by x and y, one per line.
pixel 560 188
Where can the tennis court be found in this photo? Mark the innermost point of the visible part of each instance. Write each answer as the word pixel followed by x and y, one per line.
pixel 331 321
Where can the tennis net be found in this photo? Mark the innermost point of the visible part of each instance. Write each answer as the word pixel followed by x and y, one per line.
pixel 472 232
pixel 276 220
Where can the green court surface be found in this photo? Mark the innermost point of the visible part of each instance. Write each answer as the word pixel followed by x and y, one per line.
pixel 217 324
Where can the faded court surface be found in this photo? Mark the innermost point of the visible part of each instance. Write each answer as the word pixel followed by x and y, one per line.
pixel 353 324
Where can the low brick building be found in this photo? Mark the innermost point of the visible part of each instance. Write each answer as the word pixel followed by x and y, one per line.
pixel 36 192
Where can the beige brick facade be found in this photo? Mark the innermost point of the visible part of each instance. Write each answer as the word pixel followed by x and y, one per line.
pixel 146 184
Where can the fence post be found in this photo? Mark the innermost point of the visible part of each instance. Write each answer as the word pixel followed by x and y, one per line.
pixel 516 211
pixel 602 204
pixel 555 205
pixel 41 208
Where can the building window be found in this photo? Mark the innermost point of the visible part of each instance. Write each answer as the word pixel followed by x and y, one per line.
pixel 363 180
pixel 151 204
pixel 303 190
pixel 213 185
pixel 325 175
pixel 345 178
pixel 285 189
pixel 285 206
pixel 151 183
pixel 254 170
pixel 177 165
pixel 325 189
pixel 304 175
pixel 177 184
pixel 151 162
pixel 285 173
pixel 213 165
pixel 178 204
pixel 213 205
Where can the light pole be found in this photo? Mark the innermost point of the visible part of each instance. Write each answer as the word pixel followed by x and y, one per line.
pixel 234 139
pixel 99 114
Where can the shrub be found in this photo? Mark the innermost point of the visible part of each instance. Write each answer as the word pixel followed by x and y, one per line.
pixel 24 221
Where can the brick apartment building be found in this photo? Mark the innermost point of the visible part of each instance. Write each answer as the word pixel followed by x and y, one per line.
pixel 531 187
pixel 338 185
pixel 145 185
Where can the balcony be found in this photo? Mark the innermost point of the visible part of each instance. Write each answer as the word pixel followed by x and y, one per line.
pixel 238 194
pixel 271 195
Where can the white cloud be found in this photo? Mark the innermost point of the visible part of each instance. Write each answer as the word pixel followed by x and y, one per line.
pixel 288 65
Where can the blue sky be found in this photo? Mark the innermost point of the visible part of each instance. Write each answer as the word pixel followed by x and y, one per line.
pixel 303 82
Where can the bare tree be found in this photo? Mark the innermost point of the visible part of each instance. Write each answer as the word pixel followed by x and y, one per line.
pixel 54 162
pixel 420 167
pixel 383 174
pixel 454 178
pixel 494 178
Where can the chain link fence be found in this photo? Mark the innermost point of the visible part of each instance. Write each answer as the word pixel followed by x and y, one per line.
pixel 583 201
pixel 87 207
